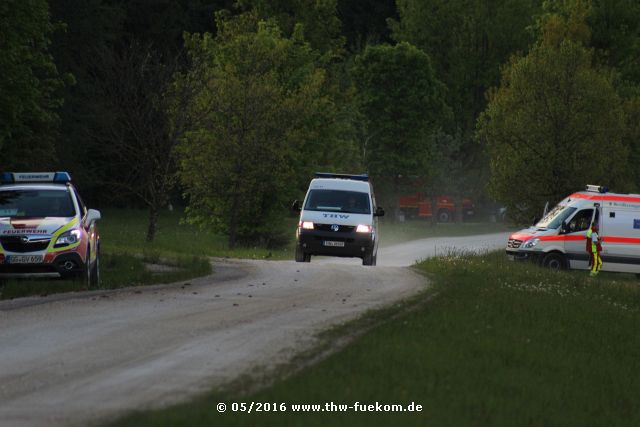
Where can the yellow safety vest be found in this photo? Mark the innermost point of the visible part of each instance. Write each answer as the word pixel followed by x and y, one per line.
pixel 594 247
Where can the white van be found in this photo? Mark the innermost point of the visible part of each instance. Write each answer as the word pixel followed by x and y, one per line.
pixel 338 218
pixel 559 239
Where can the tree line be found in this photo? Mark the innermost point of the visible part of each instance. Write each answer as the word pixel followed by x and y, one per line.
pixel 229 106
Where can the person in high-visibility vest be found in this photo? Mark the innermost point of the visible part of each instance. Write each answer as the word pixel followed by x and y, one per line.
pixel 594 248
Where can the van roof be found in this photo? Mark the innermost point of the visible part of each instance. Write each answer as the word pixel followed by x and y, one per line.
pixel 339 184
pixel 606 197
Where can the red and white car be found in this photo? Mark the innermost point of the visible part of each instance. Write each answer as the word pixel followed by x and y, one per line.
pixel 45 228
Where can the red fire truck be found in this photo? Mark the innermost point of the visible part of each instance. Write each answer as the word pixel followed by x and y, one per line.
pixel 418 205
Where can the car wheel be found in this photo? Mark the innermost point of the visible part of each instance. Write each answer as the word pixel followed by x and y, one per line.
pixel 554 261
pixel 444 215
pixel 94 275
pixel 90 272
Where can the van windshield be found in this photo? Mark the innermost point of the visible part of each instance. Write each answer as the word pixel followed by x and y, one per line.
pixel 555 217
pixel 338 201
pixel 36 203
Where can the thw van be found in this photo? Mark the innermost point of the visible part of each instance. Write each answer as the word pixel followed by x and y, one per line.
pixel 338 217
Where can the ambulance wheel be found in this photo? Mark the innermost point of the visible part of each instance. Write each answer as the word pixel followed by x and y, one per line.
pixel 444 215
pixel 554 261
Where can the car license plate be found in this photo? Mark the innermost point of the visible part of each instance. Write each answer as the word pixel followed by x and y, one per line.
pixel 25 259
pixel 511 257
pixel 332 243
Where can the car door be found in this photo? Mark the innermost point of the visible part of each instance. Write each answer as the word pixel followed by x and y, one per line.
pixel 575 231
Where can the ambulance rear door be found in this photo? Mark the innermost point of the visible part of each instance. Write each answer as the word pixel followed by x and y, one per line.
pixel 620 231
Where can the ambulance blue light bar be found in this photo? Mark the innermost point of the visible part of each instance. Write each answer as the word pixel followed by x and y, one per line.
pixel 18 177
pixel 598 188
pixel 362 177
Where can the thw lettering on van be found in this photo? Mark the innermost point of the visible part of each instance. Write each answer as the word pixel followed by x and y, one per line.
pixel 336 216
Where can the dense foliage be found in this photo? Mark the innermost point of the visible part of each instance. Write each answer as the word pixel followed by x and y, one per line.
pixel 126 94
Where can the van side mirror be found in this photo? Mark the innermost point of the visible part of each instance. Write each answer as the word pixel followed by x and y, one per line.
pixel 379 211
pixel 92 215
pixel 564 228
pixel 296 206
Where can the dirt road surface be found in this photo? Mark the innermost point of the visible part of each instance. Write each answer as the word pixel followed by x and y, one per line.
pixel 79 359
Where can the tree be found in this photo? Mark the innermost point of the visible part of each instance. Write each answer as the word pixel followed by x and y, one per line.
pixel 632 137
pixel 402 105
pixel 140 143
pixel 467 41
pixel 260 106
pixel 365 21
pixel 615 28
pixel 29 87
pixel 318 19
pixel 554 124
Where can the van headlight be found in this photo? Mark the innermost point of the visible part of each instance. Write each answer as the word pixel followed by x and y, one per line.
pixel 68 238
pixel 363 228
pixel 307 225
pixel 530 243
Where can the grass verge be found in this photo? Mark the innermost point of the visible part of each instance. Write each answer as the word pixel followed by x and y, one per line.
pixel 117 271
pixel 498 343
pixel 392 233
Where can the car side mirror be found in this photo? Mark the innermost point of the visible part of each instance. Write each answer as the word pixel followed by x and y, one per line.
pixel 92 215
pixel 564 228
pixel 296 206
pixel 379 211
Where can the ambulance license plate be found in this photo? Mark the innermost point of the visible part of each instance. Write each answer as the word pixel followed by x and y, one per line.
pixel 332 243
pixel 25 259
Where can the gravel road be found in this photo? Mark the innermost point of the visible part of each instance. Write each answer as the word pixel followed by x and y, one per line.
pixel 76 359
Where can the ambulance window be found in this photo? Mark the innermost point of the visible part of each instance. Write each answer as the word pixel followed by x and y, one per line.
pixel 581 221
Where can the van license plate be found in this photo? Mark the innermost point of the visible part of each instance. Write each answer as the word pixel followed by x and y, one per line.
pixel 331 243
pixel 25 259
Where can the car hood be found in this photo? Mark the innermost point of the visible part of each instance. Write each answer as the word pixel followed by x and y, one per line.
pixel 32 226
pixel 531 232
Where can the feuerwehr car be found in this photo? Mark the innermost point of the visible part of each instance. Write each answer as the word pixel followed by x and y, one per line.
pixel 45 228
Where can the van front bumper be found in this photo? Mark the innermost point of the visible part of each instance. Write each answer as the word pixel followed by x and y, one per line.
pixel 517 255
pixel 352 244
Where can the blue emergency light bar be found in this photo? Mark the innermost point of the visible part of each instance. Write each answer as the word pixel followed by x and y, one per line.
pixel 362 177
pixel 18 177
pixel 598 188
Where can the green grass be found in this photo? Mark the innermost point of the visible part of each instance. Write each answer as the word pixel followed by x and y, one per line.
pixel 392 233
pixel 491 343
pixel 124 230
pixel 117 271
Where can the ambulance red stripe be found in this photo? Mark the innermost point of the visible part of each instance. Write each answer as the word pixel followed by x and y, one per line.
pixel 605 198
pixel 606 239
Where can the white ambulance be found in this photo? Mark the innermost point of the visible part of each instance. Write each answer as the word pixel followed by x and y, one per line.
pixel 338 217
pixel 559 239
